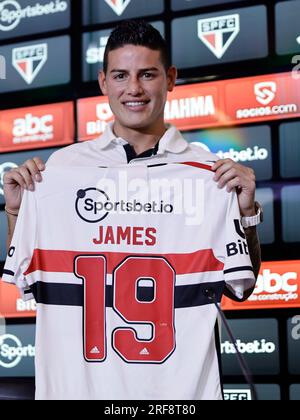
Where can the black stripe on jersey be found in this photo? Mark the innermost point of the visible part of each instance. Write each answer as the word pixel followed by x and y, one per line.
pixel 58 294
pixel 9 273
pixel 235 269
pixel 72 294
pixel 158 164
pixel 196 294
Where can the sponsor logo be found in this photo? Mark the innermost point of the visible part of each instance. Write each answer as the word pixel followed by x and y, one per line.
pixel 253 347
pixel 95 54
pixel 12 306
pixel 29 306
pixel 5 167
pixel 12 351
pixel 237 395
pixel 29 60
pixel 219 33
pixel 39 126
pixel 200 106
pixel 32 129
pixel 118 6
pixel 265 92
pixel 277 286
pixel 117 194
pixel 94 205
pixel 249 155
pixel 240 247
pixel 11 12
pixel 272 286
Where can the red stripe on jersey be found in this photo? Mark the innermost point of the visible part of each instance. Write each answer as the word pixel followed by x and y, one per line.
pixel 198 165
pixel 63 261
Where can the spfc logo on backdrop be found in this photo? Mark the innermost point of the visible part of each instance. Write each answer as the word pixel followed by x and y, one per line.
pixel 218 33
pixel 29 60
pixel 118 6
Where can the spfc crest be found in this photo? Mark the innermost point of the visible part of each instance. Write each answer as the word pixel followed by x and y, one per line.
pixel 29 60
pixel 218 33
pixel 118 6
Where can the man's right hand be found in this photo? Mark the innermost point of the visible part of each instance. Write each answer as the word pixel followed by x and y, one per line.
pixel 18 179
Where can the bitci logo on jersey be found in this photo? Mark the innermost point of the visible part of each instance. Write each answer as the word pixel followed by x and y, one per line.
pixel 118 6
pixel 29 60
pixel 219 33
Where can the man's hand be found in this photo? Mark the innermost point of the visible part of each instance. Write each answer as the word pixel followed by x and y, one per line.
pixel 233 175
pixel 18 179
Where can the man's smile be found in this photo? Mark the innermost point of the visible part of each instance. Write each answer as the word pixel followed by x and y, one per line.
pixel 136 105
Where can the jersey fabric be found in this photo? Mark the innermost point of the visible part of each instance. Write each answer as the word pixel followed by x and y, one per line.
pixel 123 273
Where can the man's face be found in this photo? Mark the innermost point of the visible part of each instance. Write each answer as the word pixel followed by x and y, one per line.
pixel 137 85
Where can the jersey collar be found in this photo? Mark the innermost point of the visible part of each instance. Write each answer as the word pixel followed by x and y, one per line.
pixel 172 141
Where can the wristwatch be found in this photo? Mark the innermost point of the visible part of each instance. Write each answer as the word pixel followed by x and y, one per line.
pixel 254 220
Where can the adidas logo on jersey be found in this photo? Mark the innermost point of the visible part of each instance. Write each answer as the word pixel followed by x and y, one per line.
pixel 144 352
pixel 95 350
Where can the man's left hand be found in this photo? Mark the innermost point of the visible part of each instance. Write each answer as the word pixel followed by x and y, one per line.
pixel 233 175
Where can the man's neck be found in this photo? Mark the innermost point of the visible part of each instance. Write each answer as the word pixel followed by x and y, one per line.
pixel 140 140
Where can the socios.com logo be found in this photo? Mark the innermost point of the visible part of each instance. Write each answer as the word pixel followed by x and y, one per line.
pixel 11 12
pixel 12 351
pixel 92 205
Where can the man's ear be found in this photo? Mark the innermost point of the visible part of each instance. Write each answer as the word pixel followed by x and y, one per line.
pixel 172 77
pixel 102 82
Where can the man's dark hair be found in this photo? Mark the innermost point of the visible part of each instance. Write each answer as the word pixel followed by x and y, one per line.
pixel 139 33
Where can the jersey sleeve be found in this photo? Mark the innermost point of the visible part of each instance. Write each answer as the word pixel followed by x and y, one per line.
pixel 22 246
pixel 238 269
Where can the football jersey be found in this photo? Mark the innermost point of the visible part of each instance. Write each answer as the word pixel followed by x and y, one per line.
pixel 123 262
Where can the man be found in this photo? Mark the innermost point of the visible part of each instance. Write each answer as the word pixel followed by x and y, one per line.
pixel 137 77
pixel 142 127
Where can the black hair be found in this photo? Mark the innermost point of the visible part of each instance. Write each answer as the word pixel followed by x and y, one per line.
pixel 139 33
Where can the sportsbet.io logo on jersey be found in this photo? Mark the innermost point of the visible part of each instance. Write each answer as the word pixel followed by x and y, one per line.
pixel 94 205
pixel 140 195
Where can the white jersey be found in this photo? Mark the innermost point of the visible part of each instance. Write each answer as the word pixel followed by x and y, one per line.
pixel 123 275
